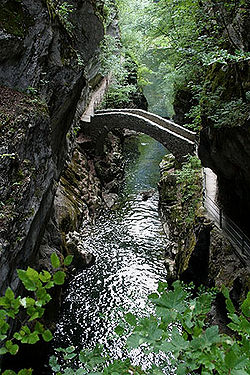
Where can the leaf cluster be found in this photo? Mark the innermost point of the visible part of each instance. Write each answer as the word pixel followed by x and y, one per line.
pixel 179 42
pixel 27 311
pixel 61 10
pixel 117 65
pixel 179 330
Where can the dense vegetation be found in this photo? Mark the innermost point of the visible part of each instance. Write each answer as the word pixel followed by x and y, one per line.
pixel 178 46
pixel 178 330
pixel 192 47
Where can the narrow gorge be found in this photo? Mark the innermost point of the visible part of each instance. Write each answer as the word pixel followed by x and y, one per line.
pixel 97 167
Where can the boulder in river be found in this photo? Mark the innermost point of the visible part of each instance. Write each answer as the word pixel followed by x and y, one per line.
pixel 82 258
pixel 147 194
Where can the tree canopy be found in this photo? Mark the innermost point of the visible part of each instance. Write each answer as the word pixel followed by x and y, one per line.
pixel 176 43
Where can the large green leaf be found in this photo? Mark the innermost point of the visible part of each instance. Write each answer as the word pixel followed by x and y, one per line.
pixel 68 260
pixel 59 277
pixel 45 276
pixel 29 278
pixel 25 372
pixel 130 319
pixel 173 300
pixel 53 362
pixel 47 335
pixel 55 261
pixel 245 307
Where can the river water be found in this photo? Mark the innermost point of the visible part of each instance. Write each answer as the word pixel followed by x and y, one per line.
pixel 128 243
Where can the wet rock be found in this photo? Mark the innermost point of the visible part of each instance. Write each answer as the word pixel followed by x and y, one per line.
pixel 109 199
pixel 10 45
pixel 197 251
pixel 82 259
pixel 38 57
pixel 170 268
pixel 147 194
pixel 227 152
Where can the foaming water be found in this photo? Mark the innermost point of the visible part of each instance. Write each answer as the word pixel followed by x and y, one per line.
pixel 128 244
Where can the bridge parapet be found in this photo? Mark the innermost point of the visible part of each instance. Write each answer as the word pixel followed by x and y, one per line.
pixel 168 124
pixel 103 122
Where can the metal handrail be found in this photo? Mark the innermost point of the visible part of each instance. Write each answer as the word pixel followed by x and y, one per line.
pixel 234 233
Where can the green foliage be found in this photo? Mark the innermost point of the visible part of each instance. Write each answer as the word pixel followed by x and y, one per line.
pixel 228 113
pixel 10 156
pixel 218 111
pixel 117 65
pixel 179 42
pixel 21 372
pixel 28 309
pixel 189 187
pixel 32 91
pixel 68 260
pixel 62 12
pixel 180 331
pixel 222 56
pixel 55 261
pixel 93 362
pixel 108 12
pixel 179 328
pixel 118 95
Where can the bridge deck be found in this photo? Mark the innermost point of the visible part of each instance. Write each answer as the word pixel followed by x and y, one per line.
pixel 176 139
pixel 168 124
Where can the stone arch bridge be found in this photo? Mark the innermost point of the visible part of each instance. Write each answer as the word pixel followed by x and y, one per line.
pixel 177 139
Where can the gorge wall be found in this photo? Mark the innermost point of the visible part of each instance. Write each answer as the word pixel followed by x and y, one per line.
pixel 197 250
pixel 223 105
pixel 49 69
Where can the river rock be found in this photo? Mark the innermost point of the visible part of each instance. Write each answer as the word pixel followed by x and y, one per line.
pixel 82 258
pixel 109 199
pixel 147 194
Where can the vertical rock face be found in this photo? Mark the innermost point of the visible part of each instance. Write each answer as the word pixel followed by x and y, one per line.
pixel 227 152
pixel 225 134
pixel 197 251
pixel 224 107
pixel 185 225
pixel 52 58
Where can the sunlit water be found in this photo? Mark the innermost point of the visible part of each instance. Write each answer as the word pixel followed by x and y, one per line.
pixel 128 243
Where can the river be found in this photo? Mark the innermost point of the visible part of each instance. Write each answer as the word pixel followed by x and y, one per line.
pixel 128 243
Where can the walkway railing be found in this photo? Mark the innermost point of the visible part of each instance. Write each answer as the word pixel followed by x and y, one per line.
pixel 240 241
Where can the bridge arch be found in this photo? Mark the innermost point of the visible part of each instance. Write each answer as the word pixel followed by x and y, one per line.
pixel 175 138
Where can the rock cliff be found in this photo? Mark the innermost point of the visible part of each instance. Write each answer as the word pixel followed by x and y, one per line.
pixel 227 152
pixel 223 107
pixel 48 70
pixel 197 250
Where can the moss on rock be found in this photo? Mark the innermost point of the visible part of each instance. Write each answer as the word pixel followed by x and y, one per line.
pixel 14 19
pixel 201 252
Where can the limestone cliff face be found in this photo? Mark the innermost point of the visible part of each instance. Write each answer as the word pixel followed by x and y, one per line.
pixel 54 60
